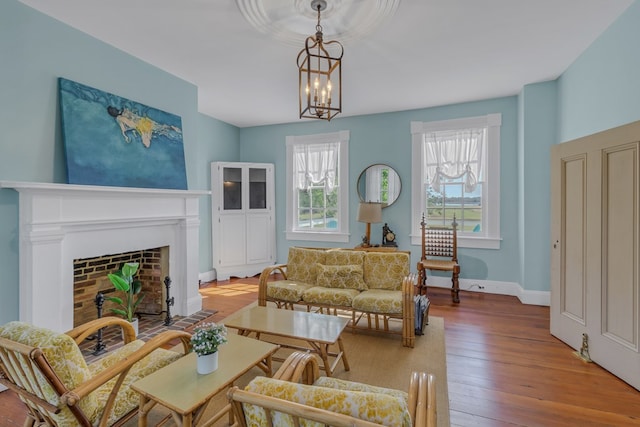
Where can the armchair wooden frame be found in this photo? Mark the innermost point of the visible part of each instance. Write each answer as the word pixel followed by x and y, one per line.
pixel 19 363
pixel 439 252
pixel 303 367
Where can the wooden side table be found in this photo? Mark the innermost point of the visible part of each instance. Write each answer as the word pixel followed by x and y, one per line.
pixel 179 388
pixel 377 248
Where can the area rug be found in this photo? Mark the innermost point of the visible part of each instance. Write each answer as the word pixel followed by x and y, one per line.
pixel 378 359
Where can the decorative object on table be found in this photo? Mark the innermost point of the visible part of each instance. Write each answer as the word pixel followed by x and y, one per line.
pixel 388 236
pixel 114 141
pixel 320 66
pixel 369 212
pixel 206 339
pixel 123 280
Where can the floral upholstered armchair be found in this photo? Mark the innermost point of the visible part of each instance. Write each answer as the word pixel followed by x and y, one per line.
pixel 48 372
pixel 297 395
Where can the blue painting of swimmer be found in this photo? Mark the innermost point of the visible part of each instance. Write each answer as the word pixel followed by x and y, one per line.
pixel 110 140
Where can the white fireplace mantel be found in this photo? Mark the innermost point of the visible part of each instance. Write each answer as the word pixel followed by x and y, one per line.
pixel 63 222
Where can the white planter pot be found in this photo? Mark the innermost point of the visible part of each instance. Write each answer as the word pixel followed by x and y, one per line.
pixel 134 323
pixel 207 363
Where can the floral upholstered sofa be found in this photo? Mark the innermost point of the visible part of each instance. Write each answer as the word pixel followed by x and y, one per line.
pixel 375 285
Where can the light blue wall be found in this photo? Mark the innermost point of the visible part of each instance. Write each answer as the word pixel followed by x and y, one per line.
pixel 601 89
pixel 35 50
pixel 386 138
pixel 537 132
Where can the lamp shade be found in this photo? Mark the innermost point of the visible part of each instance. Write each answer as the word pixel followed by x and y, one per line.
pixel 370 212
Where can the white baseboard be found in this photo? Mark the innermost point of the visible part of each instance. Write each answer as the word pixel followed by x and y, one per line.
pixel 207 276
pixel 495 287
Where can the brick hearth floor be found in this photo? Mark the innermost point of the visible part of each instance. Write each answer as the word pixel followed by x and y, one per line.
pixel 148 325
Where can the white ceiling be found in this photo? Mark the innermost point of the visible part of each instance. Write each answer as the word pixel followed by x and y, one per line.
pixel 428 53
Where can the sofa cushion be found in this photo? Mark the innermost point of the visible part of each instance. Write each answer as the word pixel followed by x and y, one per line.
pixel 378 301
pixel 287 290
pixel 385 270
pixel 344 257
pixel 347 276
pixel 380 408
pixel 301 264
pixel 329 296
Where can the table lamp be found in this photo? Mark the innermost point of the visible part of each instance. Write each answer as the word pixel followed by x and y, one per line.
pixel 369 212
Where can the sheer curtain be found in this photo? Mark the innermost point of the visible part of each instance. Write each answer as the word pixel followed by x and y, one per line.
pixel 316 164
pixel 453 154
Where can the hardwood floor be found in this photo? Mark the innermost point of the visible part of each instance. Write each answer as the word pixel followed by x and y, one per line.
pixel 503 366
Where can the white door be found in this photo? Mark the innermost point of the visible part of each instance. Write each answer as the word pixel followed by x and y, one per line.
pixel 595 248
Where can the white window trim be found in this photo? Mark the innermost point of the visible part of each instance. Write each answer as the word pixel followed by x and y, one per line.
pixel 341 235
pixel 491 192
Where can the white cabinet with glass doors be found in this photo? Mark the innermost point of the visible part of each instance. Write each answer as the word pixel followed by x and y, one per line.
pixel 243 218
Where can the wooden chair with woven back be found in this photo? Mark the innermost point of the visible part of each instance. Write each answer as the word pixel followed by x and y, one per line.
pixel 440 253
pixel 49 373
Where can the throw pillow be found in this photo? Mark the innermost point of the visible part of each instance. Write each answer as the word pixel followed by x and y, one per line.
pixel 301 264
pixel 344 257
pixel 340 276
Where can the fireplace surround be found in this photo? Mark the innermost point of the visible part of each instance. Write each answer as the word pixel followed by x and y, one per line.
pixel 60 222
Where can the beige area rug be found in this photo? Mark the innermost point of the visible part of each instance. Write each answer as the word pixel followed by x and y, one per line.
pixel 374 358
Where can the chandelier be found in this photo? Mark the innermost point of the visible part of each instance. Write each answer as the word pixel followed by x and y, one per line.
pixel 320 74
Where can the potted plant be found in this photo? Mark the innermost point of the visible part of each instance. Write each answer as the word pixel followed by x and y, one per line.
pixel 123 280
pixel 205 340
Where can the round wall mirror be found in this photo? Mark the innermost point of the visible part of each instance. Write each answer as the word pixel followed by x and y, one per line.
pixel 379 183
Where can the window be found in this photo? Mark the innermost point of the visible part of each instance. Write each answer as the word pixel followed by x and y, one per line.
pixel 317 196
pixel 456 171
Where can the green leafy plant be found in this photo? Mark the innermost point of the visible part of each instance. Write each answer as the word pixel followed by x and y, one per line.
pixel 207 337
pixel 123 281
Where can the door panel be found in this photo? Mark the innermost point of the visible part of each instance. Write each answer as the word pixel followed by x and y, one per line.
pixel 620 281
pixel 573 283
pixel 233 234
pixel 595 247
pixel 259 232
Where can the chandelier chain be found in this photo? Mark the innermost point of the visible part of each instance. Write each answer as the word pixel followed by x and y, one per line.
pixel 318 26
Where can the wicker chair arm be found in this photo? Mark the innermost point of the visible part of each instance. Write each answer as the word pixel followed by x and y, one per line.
pixel 422 399
pixel 299 367
pixel 264 278
pixel 408 311
pixel 122 368
pixel 86 330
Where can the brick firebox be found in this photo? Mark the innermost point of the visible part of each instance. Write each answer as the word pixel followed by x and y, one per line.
pixel 90 277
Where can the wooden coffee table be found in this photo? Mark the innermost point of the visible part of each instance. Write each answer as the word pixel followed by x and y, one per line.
pixel 186 393
pixel 318 330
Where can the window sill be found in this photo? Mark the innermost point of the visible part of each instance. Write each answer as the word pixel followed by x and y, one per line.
pixel 317 237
